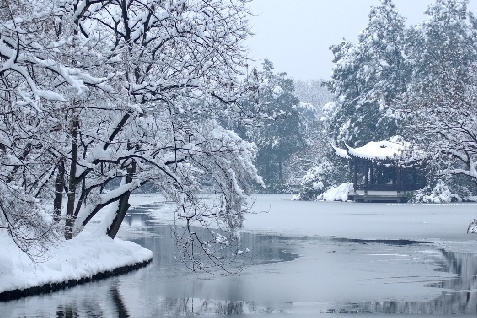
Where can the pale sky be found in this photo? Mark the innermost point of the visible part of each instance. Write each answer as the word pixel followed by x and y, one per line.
pixel 296 34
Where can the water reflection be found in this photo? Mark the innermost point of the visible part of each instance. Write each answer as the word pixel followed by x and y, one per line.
pixel 259 249
pixel 68 312
pixel 194 306
pixel 171 307
pixel 118 302
pixel 459 297
pixel 166 287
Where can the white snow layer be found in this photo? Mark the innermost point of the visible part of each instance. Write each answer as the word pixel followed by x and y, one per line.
pixel 339 193
pixel 341 152
pixel 381 150
pixel 83 256
pixel 377 150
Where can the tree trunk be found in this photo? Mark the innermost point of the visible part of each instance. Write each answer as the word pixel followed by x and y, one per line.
pixel 70 205
pixel 123 205
pixel 59 185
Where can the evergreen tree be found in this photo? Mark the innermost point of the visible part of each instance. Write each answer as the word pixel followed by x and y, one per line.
pixel 368 77
pixel 281 133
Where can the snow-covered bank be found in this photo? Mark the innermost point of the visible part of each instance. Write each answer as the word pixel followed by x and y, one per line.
pixel 82 259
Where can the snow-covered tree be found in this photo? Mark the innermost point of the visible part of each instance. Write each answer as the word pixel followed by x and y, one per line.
pixel 441 98
pixel 282 132
pixel 317 180
pixel 313 92
pixel 327 169
pixel 300 161
pixel 368 76
pixel 367 79
pixel 313 96
pixel 96 91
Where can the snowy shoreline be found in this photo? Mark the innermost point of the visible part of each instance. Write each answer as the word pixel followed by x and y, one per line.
pixel 85 258
pixel 51 287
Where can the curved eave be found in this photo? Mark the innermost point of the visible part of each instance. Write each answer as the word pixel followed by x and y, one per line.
pixel 353 153
pixel 370 158
pixel 341 152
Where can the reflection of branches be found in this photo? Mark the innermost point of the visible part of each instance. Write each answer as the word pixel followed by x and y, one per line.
pixel 191 306
pixel 208 250
pixel 204 249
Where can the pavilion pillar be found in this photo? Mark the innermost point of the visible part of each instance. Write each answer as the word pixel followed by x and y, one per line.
pixel 393 175
pixel 355 174
pixel 371 174
pixel 414 178
pixel 398 179
pixel 366 177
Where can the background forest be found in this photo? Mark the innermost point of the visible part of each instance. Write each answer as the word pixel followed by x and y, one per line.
pixel 417 82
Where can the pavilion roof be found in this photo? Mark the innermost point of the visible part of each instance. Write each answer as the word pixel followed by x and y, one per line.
pixel 376 150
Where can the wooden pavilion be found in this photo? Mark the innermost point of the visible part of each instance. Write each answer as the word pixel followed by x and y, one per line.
pixel 380 172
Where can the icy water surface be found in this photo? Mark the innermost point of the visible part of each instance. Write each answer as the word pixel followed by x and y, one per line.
pixel 291 272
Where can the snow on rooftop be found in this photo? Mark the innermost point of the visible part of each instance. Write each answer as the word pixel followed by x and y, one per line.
pixel 341 152
pixel 376 150
pixel 380 150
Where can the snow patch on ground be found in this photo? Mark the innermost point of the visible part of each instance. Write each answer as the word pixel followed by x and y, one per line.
pixel 82 257
pixel 339 193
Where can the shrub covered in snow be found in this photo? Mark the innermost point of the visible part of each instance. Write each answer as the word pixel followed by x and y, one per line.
pixel 318 179
pixel 439 193
pixel 315 181
pixel 446 188
pixel 339 193
pixel 463 186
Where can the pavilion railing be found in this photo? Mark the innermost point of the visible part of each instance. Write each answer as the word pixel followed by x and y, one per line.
pixel 390 187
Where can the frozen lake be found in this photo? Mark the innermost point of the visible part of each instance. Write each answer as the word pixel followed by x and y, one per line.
pixel 306 258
